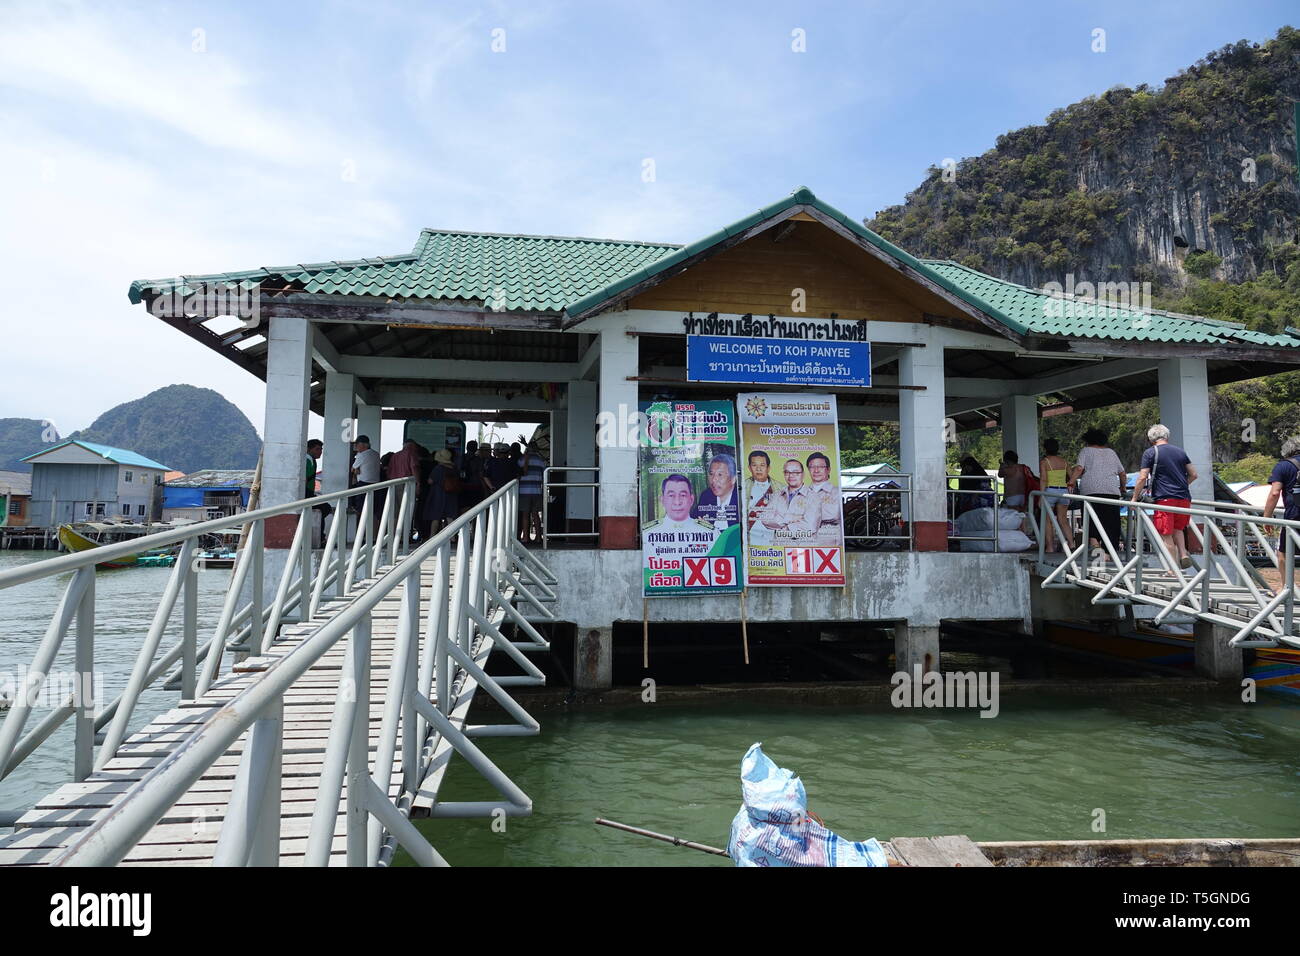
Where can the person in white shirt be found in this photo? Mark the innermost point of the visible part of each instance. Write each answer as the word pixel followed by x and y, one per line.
pixel 366 471
pixel 1099 473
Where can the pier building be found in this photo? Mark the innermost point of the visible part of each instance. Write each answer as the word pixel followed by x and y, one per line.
pixel 578 333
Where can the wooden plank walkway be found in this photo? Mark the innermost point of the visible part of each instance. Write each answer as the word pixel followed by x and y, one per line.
pixel 187 835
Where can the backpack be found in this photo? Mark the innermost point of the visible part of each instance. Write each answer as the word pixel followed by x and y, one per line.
pixel 1032 483
pixel 450 482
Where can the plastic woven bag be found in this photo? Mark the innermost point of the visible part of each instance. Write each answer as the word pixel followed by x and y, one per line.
pixel 773 827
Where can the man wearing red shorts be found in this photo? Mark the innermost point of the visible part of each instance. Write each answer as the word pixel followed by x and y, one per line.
pixel 1171 473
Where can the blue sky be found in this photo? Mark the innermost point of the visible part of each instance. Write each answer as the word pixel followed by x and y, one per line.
pixel 153 139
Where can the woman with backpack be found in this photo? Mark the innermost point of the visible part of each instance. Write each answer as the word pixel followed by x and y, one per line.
pixel 442 502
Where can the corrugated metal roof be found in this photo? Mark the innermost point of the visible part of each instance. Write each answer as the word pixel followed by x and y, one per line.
pixel 15 483
pixel 121 456
pixel 214 478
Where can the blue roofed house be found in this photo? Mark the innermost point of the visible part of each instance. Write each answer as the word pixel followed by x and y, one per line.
pixel 84 481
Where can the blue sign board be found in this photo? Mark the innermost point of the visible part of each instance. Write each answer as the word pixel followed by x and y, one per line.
pixel 758 361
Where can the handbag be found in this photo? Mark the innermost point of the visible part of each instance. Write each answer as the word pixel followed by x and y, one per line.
pixel 1148 496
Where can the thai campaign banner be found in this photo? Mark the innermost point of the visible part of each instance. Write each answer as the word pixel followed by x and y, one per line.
pixel 794 519
pixel 755 361
pixel 690 499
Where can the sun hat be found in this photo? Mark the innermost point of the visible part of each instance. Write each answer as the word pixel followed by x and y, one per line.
pixel 443 456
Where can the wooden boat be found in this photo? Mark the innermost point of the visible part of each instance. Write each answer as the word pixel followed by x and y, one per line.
pixel 89 535
pixel 1274 669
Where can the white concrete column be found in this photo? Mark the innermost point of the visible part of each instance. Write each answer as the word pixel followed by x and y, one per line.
pixel 340 410
pixel 1020 428
pixel 1213 656
pixel 288 380
pixel 580 446
pixel 618 455
pixel 921 421
pixel 593 658
pixel 284 441
pixel 916 646
pixel 370 422
pixel 1185 410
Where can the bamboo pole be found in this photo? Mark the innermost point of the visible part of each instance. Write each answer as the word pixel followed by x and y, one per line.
pixel 675 841
pixel 744 626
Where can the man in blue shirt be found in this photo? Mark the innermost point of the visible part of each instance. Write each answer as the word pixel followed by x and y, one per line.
pixel 1171 474
pixel 1285 481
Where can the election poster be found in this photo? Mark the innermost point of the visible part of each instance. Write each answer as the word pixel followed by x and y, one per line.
pixel 690 499
pixel 794 518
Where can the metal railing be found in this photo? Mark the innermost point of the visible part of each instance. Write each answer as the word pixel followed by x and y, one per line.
pixel 1203 588
pixel 440 647
pixel 243 627
pixel 547 485
pixel 875 514
pixel 994 536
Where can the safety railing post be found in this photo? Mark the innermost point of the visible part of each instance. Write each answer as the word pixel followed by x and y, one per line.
pixel 189 628
pixel 308 521
pixel 1288 581
pixel 437 636
pixel 358 673
pixel 83 693
pixel 255 544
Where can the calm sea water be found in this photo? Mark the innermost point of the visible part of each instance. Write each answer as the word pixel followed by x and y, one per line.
pixel 125 600
pixel 1160 766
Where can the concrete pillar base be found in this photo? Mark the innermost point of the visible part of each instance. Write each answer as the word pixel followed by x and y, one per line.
pixel 1214 658
pixel 916 644
pixel 593 658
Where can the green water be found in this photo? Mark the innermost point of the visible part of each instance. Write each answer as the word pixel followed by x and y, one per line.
pixel 1159 766
pixel 125 602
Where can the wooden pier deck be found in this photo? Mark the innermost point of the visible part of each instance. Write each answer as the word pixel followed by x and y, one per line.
pixel 188 833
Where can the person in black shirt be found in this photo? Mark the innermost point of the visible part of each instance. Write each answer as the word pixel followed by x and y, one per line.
pixel 1285 482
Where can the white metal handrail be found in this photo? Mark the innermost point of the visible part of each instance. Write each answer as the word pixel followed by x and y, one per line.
pixel 547 485
pixel 1222 563
pixel 245 622
pixel 440 647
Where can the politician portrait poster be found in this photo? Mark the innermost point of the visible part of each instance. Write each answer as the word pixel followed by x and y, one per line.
pixel 690 499
pixel 793 511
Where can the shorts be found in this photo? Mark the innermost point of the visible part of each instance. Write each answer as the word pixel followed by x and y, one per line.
pixel 1014 501
pixel 1167 523
pixel 1053 496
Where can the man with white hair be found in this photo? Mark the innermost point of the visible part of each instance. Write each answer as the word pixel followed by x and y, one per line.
pixel 1171 474
pixel 1285 481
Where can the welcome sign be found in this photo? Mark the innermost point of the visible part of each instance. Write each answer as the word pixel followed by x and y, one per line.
pixel 760 361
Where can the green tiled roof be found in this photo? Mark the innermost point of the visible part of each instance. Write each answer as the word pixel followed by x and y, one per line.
pixel 533 273
pixel 1045 314
pixel 581 277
